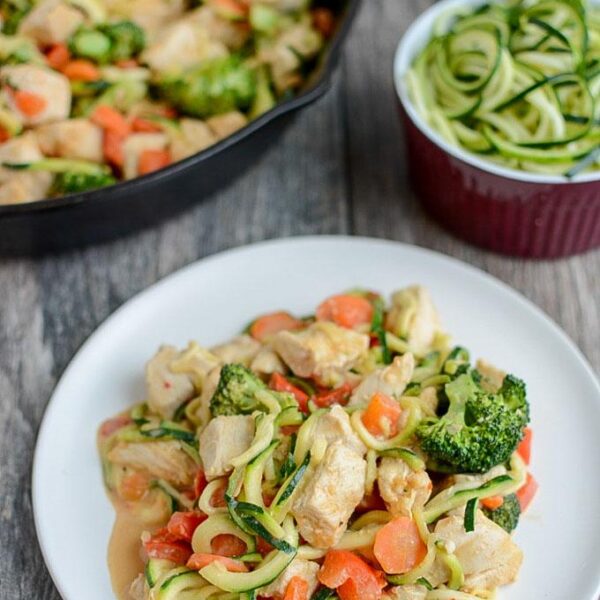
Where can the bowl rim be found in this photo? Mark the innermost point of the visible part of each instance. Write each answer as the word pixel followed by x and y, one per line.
pixel 313 90
pixel 408 48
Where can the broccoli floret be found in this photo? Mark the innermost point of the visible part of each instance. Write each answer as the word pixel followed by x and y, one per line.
pixel 479 429
pixel 507 515
pixel 73 182
pixel 13 12
pixel 109 42
pixel 241 392
pixel 214 87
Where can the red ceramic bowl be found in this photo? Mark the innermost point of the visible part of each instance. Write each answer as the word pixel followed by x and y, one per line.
pixel 505 210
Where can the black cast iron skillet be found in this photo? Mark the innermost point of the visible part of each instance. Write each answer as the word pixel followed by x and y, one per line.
pixel 100 215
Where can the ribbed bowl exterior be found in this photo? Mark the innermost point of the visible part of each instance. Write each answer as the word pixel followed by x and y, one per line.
pixel 518 218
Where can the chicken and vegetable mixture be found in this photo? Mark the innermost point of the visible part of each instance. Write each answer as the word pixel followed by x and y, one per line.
pixel 96 91
pixel 353 454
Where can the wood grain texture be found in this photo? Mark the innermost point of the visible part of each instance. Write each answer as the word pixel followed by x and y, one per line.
pixel 338 169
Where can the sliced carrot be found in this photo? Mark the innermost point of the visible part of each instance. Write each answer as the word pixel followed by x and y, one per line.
pixel 226 544
pixel 182 525
pixel 280 384
pixel 112 147
pixel 352 576
pixel 339 395
pixel 110 119
pixel 127 63
pixel 527 492
pixel 133 486
pixel 346 310
pixel 109 427
pixel 398 546
pixel 382 415
pixel 297 589
pixel 268 325
pixel 493 502
pixel 81 70
pixel 524 448
pixel 4 135
pixel 323 21
pixel 145 125
pixel 153 160
pixel 230 9
pixel 58 56
pixel 199 560
pixel 29 103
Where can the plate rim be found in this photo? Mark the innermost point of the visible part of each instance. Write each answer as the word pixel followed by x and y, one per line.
pixel 532 309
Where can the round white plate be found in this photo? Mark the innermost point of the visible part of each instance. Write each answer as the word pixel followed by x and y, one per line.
pixel 215 298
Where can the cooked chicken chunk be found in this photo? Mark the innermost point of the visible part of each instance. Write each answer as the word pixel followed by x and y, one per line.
pixel 401 488
pixel 161 459
pixel 414 318
pixel 51 22
pixel 267 362
pixel 407 592
pixel 196 362
pixel 492 377
pixel 223 439
pixel 330 496
pixel 17 186
pixel 306 569
pixel 193 136
pixel 320 350
pixel 166 390
pixel 226 124
pixel 73 138
pixel 135 144
pixel 391 380
pixel 52 87
pixel 221 30
pixel 241 349
pixel 335 425
pixel 152 15
pixel 488 555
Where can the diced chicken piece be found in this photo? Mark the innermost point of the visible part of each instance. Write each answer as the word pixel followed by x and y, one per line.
pixel 51 22
pixel 135 145
pixel 222 30
pixel 49 85
pixel 138 589
pixel 330 496
pixel 226 124
pixel 305 569
pixel 193 136
pixel 166 391
pixel 267 362
pixel 407 592
pixel 202 410
pixel 335 425
pixel 401 488
pixel 241 349
pixel 151 15
pixel 196 362
pixel 321 349
pixel 181 45
pixel 492 377
pixel 18 186
pixel 73 138
pixel 391 380
pixel 429 401
pixel 414 318
pixel 224 438
pixel 488 555
pixel 162 459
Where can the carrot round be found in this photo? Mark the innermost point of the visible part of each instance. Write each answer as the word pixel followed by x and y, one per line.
pixel 352 576
pixel 280 384
pixel 112 147
pixel 110 119
pixel 382 415
pixel 339 395
pixel 58 56
pixel 200 560
pixel 524 448
pixel 81 70
pixel 145 125
pixel 153 160
pixel 133 486
pixel 29 103
pixel 493 502
pixel 398 546
pixel 297 589
pixel 346 310
pixel 527 492
pixel 268 325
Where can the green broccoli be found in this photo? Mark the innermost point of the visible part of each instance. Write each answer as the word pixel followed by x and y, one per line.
pixel 13 12
pixel 241 392
pixel 479 430
pixel 108 42
pixel 214 87
pixel 73 182
pixel 507 515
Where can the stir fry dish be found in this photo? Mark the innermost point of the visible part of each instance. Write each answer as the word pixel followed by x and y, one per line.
pixel 353 454
pixel 97 91
pixel 516 82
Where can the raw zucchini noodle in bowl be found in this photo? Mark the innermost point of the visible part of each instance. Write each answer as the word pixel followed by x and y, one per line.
pixel 355 453
pixel 515 83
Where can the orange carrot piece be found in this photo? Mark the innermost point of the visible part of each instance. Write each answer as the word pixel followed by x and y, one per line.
pixel 110 119
pixel 524 448
pixel 527 492
pixel 280 384
pixel 267 325
pixel 145 125
pixel 4 135
pixel 199 560
pixel 230 9
pixel 352 576
pixel 323 21
pixel 398 546
pixel 112 147
pixel 346 310
pixel 339 395
pixel 58 56
pixel 153 160
pixel 81 70
pixel 29 103
pixel 493 502
pixel 382 415
pixel 226 544
pixel 133 486
pixel 297 589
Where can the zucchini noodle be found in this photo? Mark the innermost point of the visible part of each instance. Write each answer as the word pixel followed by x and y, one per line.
pixel 450 595
pixel 205 500
pixel 265 430
pixel 371 471
pixel 305 436
pixel 215 525
pixel 373 517
pixel 517 83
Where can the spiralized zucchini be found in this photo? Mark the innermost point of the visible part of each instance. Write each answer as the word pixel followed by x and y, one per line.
pixel 517 83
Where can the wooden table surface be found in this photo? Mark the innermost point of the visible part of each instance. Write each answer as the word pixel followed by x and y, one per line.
pixel 339 169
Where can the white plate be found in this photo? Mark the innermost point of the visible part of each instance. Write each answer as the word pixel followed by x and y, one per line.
pixel 214 298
